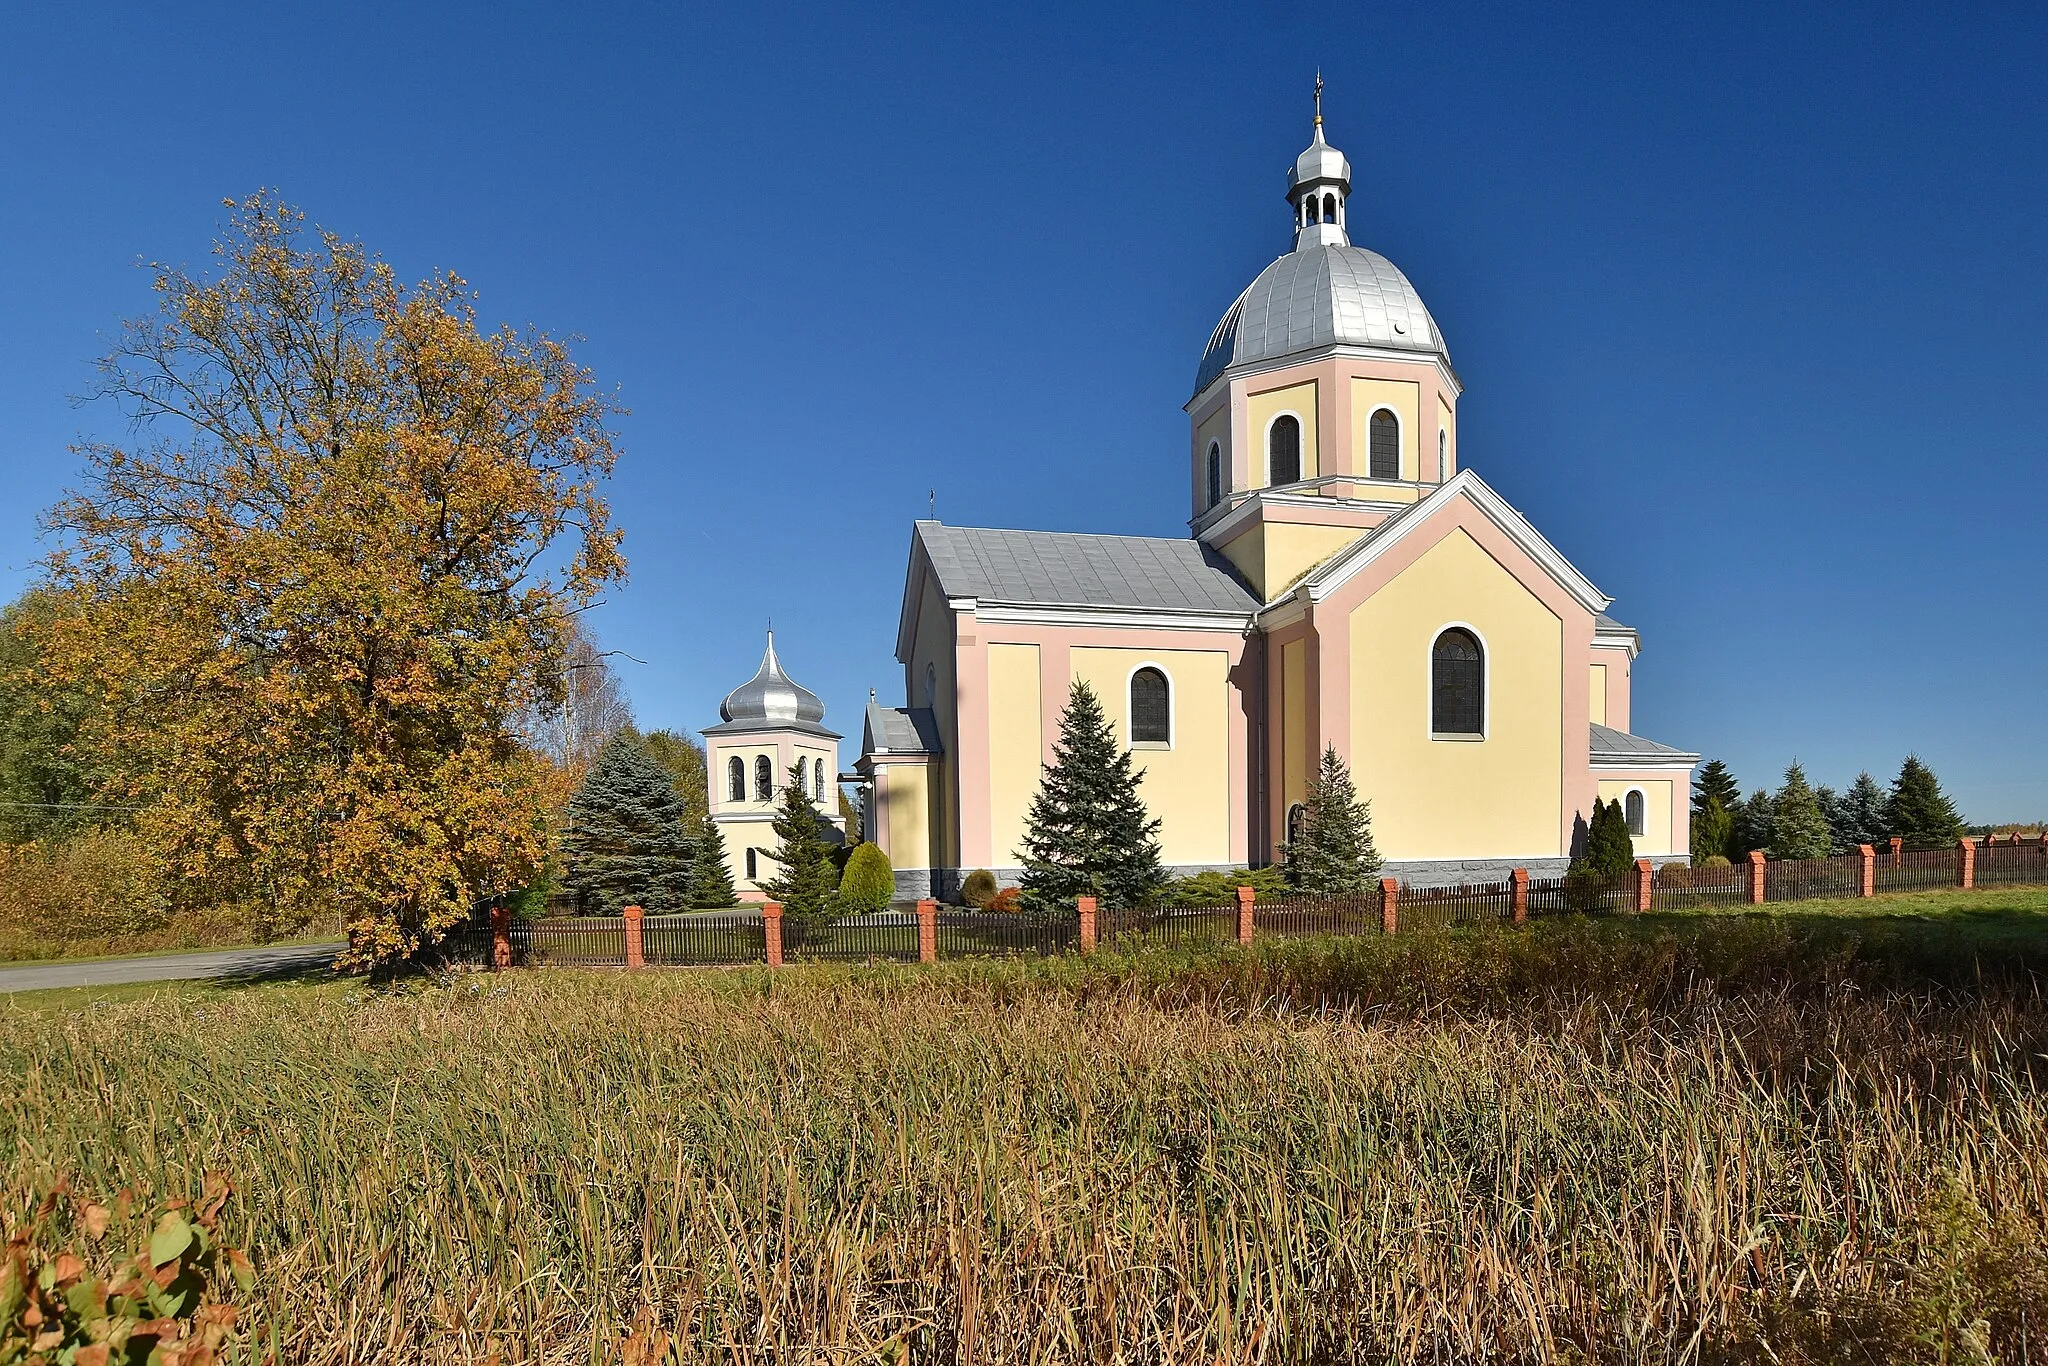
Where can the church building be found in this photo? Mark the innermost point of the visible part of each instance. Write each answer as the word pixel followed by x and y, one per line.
pixel 1348 581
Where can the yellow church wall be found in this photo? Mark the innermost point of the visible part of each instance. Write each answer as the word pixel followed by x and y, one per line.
pixel 1187 785
pixel 1498 797
pixel 1657 833
pixel 1596 693
pixel 1293 722
pixel 1274 555
pixel 1261 409
pixel 906 802
pixel 1015 746
pixel 1369 396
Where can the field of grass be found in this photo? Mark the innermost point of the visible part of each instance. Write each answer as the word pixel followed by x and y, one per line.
pixel 1811 1135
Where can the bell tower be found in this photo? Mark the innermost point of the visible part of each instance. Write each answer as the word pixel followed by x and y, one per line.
pixel 1317 188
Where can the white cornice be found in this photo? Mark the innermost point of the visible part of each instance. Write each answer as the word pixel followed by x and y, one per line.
pixel 1338 571
pixel 1243 504
pixel 1110 618
pixel 1672 763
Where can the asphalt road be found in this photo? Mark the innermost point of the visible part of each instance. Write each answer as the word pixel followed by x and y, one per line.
pixel 281 960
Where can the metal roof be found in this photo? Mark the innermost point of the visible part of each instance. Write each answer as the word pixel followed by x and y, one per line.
pixel 1071 569
pixel 1609 743
pixel 1318 296
pixel 771 699
pixel 901 730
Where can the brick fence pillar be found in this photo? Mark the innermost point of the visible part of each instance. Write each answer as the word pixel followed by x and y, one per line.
pixel 1645 872
pixel 1966 866
pixel 1756 877
pixel 1898 847
pixel 1521 879
pixel 1086 905
pixel 927 931
pixel 501 936
pixel 636 950
pixel 1390 908
pixel 1245 897
pixel 1868 885
pixel 771 930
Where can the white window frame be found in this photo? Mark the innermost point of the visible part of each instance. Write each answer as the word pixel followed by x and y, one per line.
pixel 760 759
pixel 1130 716
pixel 1443 453
pixel 730 761
pixel 1485 687
pixel 1301 454
pixel 1400 441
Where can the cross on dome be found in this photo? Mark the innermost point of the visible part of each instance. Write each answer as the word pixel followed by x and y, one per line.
pixel 1317 187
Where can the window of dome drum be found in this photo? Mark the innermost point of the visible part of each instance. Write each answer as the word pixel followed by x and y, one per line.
pixel 1215 474
pixel 1457 685
pixel 1632 805
pixel 1283 450
pixel 764 780
pixel 1151 718
pixel 1443 455
pixel 735 779
pixel 1386 445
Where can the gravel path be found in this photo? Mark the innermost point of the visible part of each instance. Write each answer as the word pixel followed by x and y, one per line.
pixel 276 961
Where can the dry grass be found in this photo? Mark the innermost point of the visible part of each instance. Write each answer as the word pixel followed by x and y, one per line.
pixel 1628 1143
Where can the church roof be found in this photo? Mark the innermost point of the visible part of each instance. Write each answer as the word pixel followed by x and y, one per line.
pixel 1072 569
pixel 772 700
pixel 1618 745
pixel 901 730
pixel 1322 295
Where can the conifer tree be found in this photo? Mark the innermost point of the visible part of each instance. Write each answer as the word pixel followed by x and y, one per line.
pixel 625 844
pixel 1333 852
pixel 1715 781
pixel 710 880
pixel 1713 831
pixel 1752 825
pixel 1799 829
pixel 805 882
pixel 1609 850
pixel 1862 813
pixel 1088 833
pixel 868 884
pixel 1919 810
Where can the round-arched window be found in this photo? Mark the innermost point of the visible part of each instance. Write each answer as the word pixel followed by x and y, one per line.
pixel 1283 450
pixel 753 864
pixel 818 774
pixel 931 685
pixel 1384 439
pixel 1151 708
pixel 1632 808
pixel 1295 815
pixel 764 779
pixel 1215 473
pixel 1457 676
pixel 735 779
pixel 1443 455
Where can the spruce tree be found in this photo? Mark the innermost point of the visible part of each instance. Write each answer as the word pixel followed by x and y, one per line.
pixel 1713 831
pixel 1333 853
pixel 1918 808
pixel 1088 833
pixel 625 844
pixel 1863 814
pixel 805 882
pixel 1715 781
pixel 1752 825
pixel 1799 828
pixel 710 879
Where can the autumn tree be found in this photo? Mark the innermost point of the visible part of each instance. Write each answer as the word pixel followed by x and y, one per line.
pixel 586 705
pixel 327 578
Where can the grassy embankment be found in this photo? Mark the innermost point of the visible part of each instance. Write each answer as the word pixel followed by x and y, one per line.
pixel 1819 1132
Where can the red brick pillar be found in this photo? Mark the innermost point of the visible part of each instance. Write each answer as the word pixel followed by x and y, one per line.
pixel 1521 877
pixel 1245 897
pixel 501 936
pixel 1390 909
pixel 1898 845
pixel 1086 905
pixel 927 931
pixel 1645 872
pixel 1756 877
pixel 771 929
pixel 1966 866
pixel 1869 882
pixel 636 955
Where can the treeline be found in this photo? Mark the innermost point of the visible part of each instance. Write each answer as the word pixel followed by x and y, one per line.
pixel 1800 821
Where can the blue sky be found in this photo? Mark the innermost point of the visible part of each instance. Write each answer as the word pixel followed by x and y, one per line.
pixel 1749 301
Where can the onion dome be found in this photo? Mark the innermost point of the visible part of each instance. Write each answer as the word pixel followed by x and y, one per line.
pixel 772 697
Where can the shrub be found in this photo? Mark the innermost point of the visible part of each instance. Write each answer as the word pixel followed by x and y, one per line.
pixel 978 889
pixel 1008 901
pixel 1214 888
pixel 1675 875
pixel 868 884
pixel 1713 861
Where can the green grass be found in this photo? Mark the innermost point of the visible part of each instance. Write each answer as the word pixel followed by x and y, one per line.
pixel 1807 1137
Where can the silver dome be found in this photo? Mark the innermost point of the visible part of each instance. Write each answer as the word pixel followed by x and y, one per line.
pixel 1321 162
pixel 771 696
pixel 1323 295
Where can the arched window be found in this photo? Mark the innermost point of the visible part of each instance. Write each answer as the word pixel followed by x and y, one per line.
pixel 1295 814
pixel 1457 674
pixel 753 865
pixel 818 775
pixel 931 685
pixel 1151 708
pixel 1329 208
pixel 1283 450
pixel 1443 455
pixel 764 779
pixel 1383 437
pixel 1632 807
pixel 735 780
pixel 1215 473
